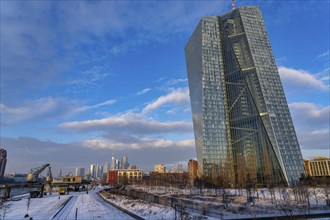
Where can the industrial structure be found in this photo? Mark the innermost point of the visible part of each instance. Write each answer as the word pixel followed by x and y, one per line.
pixel 242 124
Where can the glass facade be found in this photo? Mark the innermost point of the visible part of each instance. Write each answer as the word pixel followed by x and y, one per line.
pixel 242 124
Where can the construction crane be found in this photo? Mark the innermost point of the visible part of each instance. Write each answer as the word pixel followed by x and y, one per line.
pixel 33 175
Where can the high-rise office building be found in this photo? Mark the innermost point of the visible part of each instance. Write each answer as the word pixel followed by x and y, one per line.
pixel 93 169
pixel 242 124
pixel 113 161
pixel 99 172
pixel 3 161
pixel 106 167
pixel 80 171
pixel 124 162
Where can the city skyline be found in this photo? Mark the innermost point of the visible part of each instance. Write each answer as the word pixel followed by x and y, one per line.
pixel 102 76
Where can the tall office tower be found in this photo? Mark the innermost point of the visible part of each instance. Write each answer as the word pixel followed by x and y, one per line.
pixel 3 161
pixel 106 167
pixel 80 171
pixel 99 172
pixel 242 124
pixel 117 164
pixel 124 162
pixel 93 170
pixel 113 161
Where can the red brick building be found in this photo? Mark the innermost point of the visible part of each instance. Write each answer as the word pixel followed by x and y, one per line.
pixel 112 177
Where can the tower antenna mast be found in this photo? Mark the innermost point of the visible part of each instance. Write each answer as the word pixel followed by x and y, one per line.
pixel 233 4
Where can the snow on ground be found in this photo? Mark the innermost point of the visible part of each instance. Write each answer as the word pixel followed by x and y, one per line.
pixel 140 207
pixel 149 211
pixel 40 208
pixel 273 202
pixel 89 206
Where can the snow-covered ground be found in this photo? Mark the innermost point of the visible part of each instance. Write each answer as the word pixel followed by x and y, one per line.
pixel 267 203
pixel 149 211
pixel 89 206
pixel 39 208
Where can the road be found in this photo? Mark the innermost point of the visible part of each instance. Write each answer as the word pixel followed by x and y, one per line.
pixel 89 206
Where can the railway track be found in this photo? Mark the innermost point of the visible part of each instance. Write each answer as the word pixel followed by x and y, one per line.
pixel 89 206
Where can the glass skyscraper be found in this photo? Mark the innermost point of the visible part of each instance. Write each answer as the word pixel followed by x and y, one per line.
pixel 242 124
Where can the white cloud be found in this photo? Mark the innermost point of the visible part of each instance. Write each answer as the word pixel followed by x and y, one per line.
pixel 314 139
pixel 177 96
pixel 303 79
pixel 310 115
pixel 44 108
pixel 130 123
pixel 176 81
pixel 139 144
pixel 144 91
pixel 84 108
pixel 324 56
pixel 48 47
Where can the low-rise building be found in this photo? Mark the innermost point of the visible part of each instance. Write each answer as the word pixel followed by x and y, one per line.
pixel 124 176
pixel 160 168
pixel 318 167
pixel 112 177
pixel 167 179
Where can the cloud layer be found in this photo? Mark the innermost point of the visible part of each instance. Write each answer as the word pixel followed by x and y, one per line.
pixel 25 153
pixel 301 78
pixel 45 108
pixel 310 115
pixel 178 96
pixel 128 123
pixel 135 143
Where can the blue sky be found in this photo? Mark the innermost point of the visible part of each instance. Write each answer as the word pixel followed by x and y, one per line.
pixel 80 80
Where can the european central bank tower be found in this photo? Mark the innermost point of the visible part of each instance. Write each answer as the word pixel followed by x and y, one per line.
pixel 242 124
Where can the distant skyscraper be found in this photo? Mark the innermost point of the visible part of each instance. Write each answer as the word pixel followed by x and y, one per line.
pixel 113 161
pixel 180 167
pixel 124 162
pixel 99 171
pixel 117 164
pixel 80 171
pixel 93 170
pixel 106 167
pixel 242 124
pixel 3 161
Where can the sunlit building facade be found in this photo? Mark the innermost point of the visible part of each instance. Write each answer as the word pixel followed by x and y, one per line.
pixel 242 124
pixel 318 167
pixel 192 170
pixel 160 168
